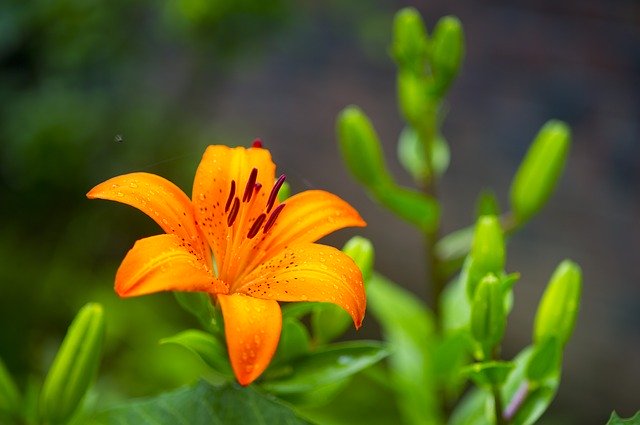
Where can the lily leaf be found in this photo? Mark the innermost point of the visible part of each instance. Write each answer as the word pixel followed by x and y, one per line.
pixel 617 420
pixel 410 205
pixel 524 402
pixel 294 341
pixel 408 327
pixel 204 345
pixel 327 365
pixel 203 404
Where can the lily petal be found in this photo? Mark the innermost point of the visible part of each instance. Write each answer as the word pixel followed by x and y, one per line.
pixel 252 327
pixel 309 272
pixel 308 216
pixel 161 200
pixel 162 263
pixel 220 166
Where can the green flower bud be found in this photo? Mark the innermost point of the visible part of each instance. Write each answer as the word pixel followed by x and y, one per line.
pixel 487 251
pixel 544 361
pixel 363 254
pixel 74 367
pixel 540 169
pixel 488 317
pixel 9 394
pixel 284 192
pixel 558 308
pixel 447 51
pixel 410 42
pixel 412 96
pixel 360 147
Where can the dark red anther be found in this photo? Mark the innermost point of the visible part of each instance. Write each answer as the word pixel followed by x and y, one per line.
pixel 272 218
pixel 233 213
pixel 274 192
pixel 257 144
pixel 248 190
pixel 232 193
pixel 255 228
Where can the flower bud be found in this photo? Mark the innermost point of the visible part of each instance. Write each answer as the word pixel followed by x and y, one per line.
pixel 9 394
pixel 410 43
pixel 74 366
pixel 362 253
pixel 487 251
pixel 284 192
pixel 412 96
pixel 488 317
pixel 540 169
pixel 360 147
pixel 447 51
pixel 558 308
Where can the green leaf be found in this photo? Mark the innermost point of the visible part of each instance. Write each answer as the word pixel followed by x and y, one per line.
pixel 206 346
pixel 9 394
pixel 488 374
pixel 203 404
pixel 538 397
pixel 411 154
pixel 327 365
pixel 477 407
pixel 367 399
pixel 455 304
pixel 545 360
pixel 408 327
pixel 294 342
pixel 328 322
pixel 298 310
pixel 199 304
pixel 410 205
pixel 617 420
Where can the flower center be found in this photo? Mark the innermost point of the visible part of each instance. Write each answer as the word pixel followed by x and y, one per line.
pixel 266 219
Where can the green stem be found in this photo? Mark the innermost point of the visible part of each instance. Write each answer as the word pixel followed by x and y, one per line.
pixel 498 407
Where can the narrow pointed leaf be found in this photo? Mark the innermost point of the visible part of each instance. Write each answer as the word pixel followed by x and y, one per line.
pixel 617 420
pixel 206 346
pixel 328 364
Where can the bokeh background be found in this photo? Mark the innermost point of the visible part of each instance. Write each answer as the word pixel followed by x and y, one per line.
pixel 170 77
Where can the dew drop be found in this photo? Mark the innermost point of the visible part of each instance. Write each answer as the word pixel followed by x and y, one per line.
pixel 120 194
pixel 133 185
pixel 201 196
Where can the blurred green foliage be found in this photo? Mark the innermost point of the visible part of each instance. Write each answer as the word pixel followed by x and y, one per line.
pixel 93 89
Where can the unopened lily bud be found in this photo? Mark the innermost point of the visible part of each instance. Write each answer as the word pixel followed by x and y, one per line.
pixel 487 251
pixel 412 96
pixel 558 309
pixel 74 366
pixel 545 360
pixel 284 192
pixel 360 147
pixel 540 170
pixel 410 43
pixel 362 253
pixel 488 317
pixel 9 394
pixel 447 51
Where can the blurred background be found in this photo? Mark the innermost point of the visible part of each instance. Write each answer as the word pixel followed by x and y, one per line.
pixel 93 89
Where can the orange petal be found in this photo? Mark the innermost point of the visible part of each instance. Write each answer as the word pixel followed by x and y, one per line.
pixel 309 272
pixel 212 186
pixel 161 263
pixel 161 200
pixel 307 217
pixel 252 327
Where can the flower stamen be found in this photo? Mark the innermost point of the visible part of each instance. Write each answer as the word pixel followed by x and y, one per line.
pixel 232 193
pixel 248 190
pixel 274 192
pixel 272 217
pixel 233 213
pixel 255 228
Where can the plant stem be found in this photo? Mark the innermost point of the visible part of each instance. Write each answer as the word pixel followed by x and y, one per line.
pixel 497 402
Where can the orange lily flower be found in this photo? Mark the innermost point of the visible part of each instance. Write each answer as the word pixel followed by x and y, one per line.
pixel 263 250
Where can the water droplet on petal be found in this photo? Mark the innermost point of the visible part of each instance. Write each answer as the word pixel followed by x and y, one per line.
pixel 133 185
pixel 120 194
